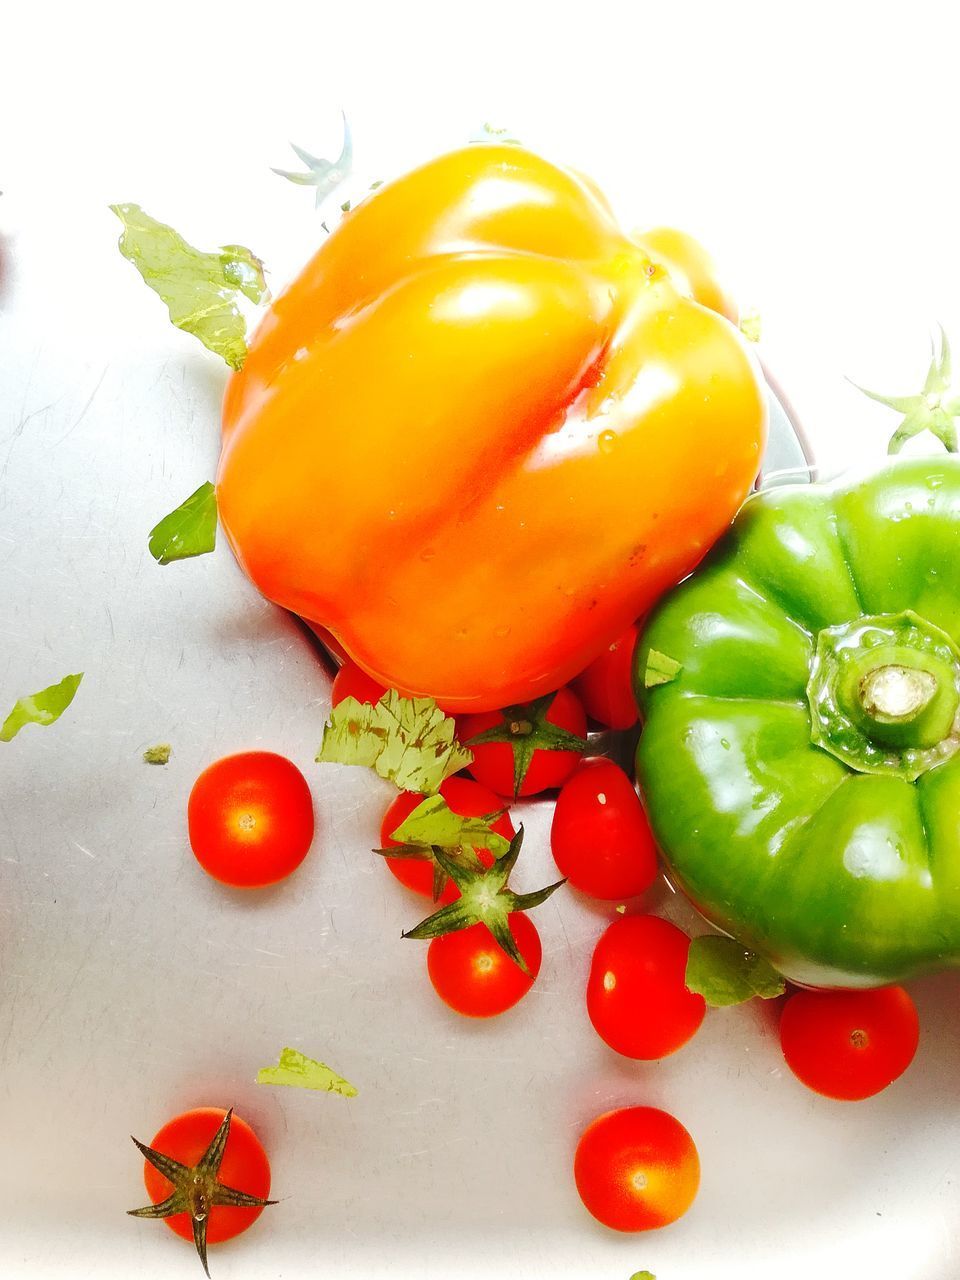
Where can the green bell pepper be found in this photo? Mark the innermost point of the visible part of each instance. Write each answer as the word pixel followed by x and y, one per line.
pixel 801 697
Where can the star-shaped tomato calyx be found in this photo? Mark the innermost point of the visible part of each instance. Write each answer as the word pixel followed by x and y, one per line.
pixel 526 730
pixel 324 175
pixel 423 853
pixel 485 898
pixel 935 409
pixel 196 1188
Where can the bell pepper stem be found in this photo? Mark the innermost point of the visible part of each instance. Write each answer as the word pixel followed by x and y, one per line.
pixel 894 694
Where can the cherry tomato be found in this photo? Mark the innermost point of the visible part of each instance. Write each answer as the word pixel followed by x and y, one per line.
pixel 244 1167
pixel 637 996
pixel 352 681
pixel 250 818
pixel 849 1044
pixel 493 762
pixel 473 975
pixel 636 1169
pixel 600 836
pixel 606 687
pixel 466 798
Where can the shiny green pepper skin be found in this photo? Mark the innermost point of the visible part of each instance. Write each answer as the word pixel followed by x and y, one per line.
pixel 801 768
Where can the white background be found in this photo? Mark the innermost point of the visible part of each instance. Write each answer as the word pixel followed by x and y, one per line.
pixel 813 147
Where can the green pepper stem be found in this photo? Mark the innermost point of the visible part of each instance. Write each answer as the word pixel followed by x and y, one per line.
pixel 895 694
pixel 884 694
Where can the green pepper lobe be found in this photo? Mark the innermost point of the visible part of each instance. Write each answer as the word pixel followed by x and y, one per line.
pixel 802 768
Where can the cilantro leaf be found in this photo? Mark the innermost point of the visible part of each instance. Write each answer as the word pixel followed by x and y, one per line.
pixel 750 324
pixel 40 708
pixel 725 973
pixel 188 530
pixel 200 289
pixel 660 669
pixel 408 741
pixel 160 754
pixel 493 133
pixel 300 1072
pixel 433 822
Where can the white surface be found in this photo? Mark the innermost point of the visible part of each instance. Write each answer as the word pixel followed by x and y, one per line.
pixel 812 148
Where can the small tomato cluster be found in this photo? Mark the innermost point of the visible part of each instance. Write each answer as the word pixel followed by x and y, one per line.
pixel 251 823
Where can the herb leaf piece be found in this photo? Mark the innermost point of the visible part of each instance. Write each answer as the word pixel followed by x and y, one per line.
pixel 40 708
pixel 433 822
pixel 660 669
pixel 325 175
pixel 160 754
pixel 725 973
pixel 200 289
pixel 188 530
pixel 408 741
pixel 527 729
pixel 485 898
pixel 196 1188
pixel 936 408
pixel 300 1072
pixel 751 324
pixel 493 133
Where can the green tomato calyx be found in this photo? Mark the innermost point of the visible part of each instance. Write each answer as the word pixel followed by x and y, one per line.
pixel 196 1188
pixel 936 408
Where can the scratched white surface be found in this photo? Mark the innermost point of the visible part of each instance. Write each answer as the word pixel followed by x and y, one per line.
pixel 132 986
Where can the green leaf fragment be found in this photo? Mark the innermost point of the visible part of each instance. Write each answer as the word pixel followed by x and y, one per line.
pixel 300 1072
pixel 750 324
pixel 40 708
pixel 189 530
pixel 660 669
pixel 160 754
pixel 493 133
pixel 726 973
pixel 200 289
pixel 324 175
pixel 433 822
pixel 408 741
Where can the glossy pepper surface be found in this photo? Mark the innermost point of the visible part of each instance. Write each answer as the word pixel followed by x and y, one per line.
pixel 802 766
pixel 484 429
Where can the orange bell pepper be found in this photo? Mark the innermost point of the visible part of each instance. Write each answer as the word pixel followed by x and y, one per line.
pixel 483 430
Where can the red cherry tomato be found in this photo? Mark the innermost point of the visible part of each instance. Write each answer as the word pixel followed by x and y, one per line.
pixel 245 1168
pixel 636 1169
pixel 493 762
pixel 466 798
pixel 849 1044
pixel 250 818
pixel 473 975
pixel 352 681
pixel 637 996
pixel 600 837
pixel 606 687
